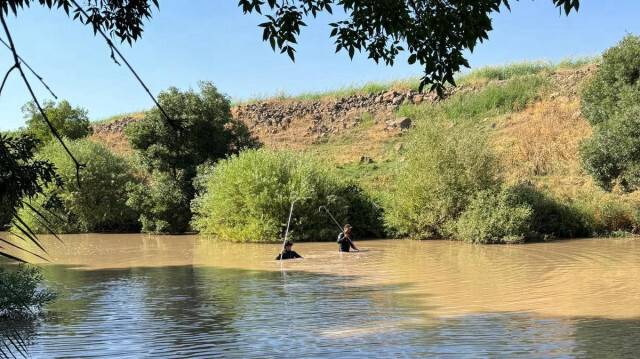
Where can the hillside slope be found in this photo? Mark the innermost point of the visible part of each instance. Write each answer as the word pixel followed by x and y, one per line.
pixel 531 110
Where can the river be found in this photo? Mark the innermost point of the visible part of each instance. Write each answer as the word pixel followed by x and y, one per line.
pixel 139 296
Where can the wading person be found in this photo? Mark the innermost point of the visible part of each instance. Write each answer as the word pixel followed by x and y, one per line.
pixel 287 253
pixel 345 239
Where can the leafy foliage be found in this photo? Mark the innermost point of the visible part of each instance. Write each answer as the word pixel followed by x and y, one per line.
pixel 163 203
pixel 616 85
pixel 383 29
pixel 247 198
pixel 610 102
pixel 207 132
pixel 446 166
pixel 21 291
pixel 96 204
pixel 70 122
pixel 494 217
pixel 22 176
pixel 123 20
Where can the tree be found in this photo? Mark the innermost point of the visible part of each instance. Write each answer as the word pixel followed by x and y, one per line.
pixel 97 203
pixel 163 203
pixel 22 176
pixel 610 102
pixel 434 32
pixel 70 122
pixel 207 132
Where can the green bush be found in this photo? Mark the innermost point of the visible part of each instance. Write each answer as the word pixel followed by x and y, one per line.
pixel 610 102
pixel 97 203
pixel 612 155
pixel 616 86
pixel 446 165
pixel 163 204
pixel 72 123
pixel 21 291
pixel 22 175
pixel 494 217
pixel 247 198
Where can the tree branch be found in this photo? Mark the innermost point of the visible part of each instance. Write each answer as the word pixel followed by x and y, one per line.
pixel 115 50
pixel 55 133
pixel 6 76
pixel 32 71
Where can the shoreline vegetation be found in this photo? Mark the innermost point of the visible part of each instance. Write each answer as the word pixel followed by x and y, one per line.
pixel 497 161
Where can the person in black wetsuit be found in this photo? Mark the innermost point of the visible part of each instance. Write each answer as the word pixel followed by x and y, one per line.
pixel 345 239
pixel 287 253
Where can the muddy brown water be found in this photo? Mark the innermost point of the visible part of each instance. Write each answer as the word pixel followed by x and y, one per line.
pixel 143 296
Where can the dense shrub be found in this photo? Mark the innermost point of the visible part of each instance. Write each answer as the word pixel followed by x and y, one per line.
pixel 610 102
pixel 21 291
pixel 205 131
pixel 72 123
pixel 494 217
pixel 163 204
pixel 247 198
pixel 615 86
pixel 97 203
pixel 612 155
pixel 22 175
pixel 446 165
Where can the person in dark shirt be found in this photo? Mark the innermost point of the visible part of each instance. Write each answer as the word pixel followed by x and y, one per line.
pixel 345 239
pixel 287 253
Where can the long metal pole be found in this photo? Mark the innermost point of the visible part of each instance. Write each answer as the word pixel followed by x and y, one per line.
pixel 286 232
pixel 330 215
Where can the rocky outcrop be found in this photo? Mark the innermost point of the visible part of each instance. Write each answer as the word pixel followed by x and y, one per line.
pixel 326 116
pixel 116 126
pixel 320 117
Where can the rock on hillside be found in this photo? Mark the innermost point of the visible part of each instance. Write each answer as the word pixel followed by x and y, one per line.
pixel 273 121
pixel 296 124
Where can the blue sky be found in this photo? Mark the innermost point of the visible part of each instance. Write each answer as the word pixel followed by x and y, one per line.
pixel 212 40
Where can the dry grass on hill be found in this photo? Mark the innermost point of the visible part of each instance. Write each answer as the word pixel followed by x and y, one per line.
pixel 542 140
pixel 115 141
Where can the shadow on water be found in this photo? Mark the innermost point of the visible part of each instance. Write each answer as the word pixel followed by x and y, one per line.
pixel 187 311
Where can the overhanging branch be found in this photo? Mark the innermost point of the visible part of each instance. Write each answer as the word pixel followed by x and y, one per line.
pixel 53 130
pixel 32 71
pixel 115 50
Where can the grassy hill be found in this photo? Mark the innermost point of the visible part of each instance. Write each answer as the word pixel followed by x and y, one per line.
pixel 531 111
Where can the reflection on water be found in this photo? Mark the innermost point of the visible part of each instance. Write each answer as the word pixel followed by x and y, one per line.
pixel 140 296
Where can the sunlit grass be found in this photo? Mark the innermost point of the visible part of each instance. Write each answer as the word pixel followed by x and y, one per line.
pixel 479 76
pixel 110 119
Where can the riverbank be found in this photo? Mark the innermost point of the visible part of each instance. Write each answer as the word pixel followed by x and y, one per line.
pixel 530 112
pixel 496 160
